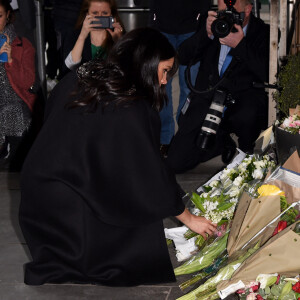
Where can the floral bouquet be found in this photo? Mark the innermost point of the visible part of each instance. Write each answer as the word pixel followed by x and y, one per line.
pixel 291 124
pixel 220 196
pixel 271 286
pixel 287 133
pixel 279 255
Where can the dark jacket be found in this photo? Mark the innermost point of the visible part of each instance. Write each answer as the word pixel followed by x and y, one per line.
pixel 252 54
pixel 177 16
pixel 21 72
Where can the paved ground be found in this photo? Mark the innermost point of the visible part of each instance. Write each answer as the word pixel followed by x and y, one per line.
pixel 14 253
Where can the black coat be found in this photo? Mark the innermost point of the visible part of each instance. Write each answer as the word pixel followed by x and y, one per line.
pixel 94 193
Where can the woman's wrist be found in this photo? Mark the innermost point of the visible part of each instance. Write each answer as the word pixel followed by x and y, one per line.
pixel 186 217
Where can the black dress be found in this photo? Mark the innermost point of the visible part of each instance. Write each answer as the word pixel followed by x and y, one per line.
pixel 94 193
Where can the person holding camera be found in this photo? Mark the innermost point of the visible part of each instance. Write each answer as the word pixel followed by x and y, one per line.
pixel 95 189
pixel 232 46
pixel 93 40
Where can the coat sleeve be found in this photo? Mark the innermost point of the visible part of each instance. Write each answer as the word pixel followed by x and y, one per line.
pixel 192 49
pixel 129 183
pixel 254 51
pixel 21 72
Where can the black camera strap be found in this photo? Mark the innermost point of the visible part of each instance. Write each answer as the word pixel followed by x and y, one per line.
pixel 235 61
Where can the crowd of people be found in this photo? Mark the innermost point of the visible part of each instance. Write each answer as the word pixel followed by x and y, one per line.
pixel 101 170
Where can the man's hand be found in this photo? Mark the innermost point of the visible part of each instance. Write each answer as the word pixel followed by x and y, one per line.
pixel 233 38
pixel 211 17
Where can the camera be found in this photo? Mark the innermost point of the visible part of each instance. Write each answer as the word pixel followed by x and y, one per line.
pixel 223 25
pixel 213 118
pixel 103 22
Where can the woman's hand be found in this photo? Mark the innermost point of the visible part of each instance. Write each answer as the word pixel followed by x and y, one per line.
pixel 6 47
pixel 117 32
pixel 87 27
pixel 210 19
pixel 197 224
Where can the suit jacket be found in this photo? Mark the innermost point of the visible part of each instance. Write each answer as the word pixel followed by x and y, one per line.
pixel 27 11
pixel 21 72
pixel 252 54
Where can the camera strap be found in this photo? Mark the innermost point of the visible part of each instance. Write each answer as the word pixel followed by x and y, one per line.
pixel 235 61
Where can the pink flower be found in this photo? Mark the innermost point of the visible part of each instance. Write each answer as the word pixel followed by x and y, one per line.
pixel 251 296
pixel 259 297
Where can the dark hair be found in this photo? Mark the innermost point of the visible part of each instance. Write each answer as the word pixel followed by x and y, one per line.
pixel 129 72
pixel 6 5
pixel 108 43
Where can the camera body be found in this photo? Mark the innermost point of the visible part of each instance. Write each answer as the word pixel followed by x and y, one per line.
pixel 103 22
pixel 224 24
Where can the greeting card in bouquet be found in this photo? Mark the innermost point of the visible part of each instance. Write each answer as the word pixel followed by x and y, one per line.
pixel 287 178
pixel 279 255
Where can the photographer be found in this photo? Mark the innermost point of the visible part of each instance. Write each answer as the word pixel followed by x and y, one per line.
pixel 245 50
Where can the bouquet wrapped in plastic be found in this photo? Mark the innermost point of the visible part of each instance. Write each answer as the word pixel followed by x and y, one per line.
pixel 279 255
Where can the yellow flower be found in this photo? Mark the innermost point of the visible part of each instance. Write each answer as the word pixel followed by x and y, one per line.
pixel 269 189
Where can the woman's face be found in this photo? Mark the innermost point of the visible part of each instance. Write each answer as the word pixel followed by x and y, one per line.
pixel 99 9
pixel 3 18
pixel 163 68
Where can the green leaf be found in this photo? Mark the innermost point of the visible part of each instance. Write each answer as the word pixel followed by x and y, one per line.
pixel 224 206
pixel 197 200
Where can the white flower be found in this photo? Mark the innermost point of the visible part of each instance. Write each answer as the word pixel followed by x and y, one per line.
pixel 238 181
pixel 259 164
pixel 214 183
pixel 234 191
pixel 286 123
pixel 257 174
pixel 266 279
pixel 204 195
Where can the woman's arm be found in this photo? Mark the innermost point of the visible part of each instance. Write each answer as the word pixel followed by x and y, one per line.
pixel 76 52
pixel 197 224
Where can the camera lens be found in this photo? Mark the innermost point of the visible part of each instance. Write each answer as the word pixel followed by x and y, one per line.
pixel 220 28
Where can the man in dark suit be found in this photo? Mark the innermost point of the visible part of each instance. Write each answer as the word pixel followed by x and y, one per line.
pixel 247 48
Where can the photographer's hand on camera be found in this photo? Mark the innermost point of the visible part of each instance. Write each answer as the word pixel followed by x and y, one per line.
pixel 233 38
pixel 210 19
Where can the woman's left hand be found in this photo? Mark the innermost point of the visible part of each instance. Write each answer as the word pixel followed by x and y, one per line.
pixel 117 32
pixel 7 48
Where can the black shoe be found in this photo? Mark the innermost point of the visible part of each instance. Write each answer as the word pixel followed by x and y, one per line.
pixel 228 150
pixel 164 150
